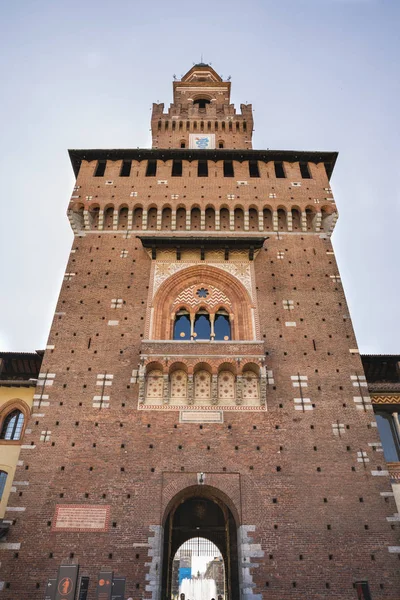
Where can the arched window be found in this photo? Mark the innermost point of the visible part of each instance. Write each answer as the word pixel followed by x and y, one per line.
pixel 222 326
pixel 201 102
pixel 12 426
pixel 202 325
pixel 182 325
pixel 3 480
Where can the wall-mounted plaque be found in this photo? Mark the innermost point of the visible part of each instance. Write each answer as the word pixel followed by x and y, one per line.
pixel 81 517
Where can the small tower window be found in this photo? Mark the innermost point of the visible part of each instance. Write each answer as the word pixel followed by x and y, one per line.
pixel 151 169
pixel 228 168
pixel 220 144
pixel 100 169
pixel 305 171
pixel 244 126
pixel 183 145
pixel 253 168
pixel 202 168
pixel 126 168
pixel 176 168
pixel 12 426
pixel 279 170
pixel 201 102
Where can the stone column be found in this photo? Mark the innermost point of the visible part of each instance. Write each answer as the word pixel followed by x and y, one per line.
pixel 142 388
pixel 261 220
pixel 303 220
pixel 165 389
pixel 100 223
pixel 173 219
pixel 232 219
pixel 246 220
pixel 214 390
pixel 217 220
pixel 275 220
pixel 202 219
pixel 239 390
pixel 159 219
pixel 190 389
pixel 144 218
pixel 263 390
pixel 115 219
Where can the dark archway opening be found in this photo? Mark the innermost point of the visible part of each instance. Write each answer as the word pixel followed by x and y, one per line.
pixel 206 516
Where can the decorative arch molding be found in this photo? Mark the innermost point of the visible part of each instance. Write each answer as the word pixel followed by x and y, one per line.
pixel 163 304
pixel 223 489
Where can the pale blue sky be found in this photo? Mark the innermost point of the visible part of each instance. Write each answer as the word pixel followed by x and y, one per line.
pixel 321 74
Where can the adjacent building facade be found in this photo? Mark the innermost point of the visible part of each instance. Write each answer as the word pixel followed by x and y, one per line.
pixel 18 376
pixel 202 376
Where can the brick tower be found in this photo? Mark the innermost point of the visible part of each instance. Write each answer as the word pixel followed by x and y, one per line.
pixel 202 376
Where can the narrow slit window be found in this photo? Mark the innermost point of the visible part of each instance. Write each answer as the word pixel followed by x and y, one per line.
pixel 305 171
pixel 183 145
pixel 237 126
pixel 220 144
pixel 151 169
pixel 279 170
pixel 101 168
pixel 176 168
pixel 228 168
pixel 126 168
pixel 202 168
pixel 253 168
pixel 244 126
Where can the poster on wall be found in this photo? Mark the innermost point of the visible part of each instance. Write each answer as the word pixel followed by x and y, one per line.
pixel 202 141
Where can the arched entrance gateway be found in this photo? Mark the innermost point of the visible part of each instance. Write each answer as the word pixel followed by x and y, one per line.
pixel 201 511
